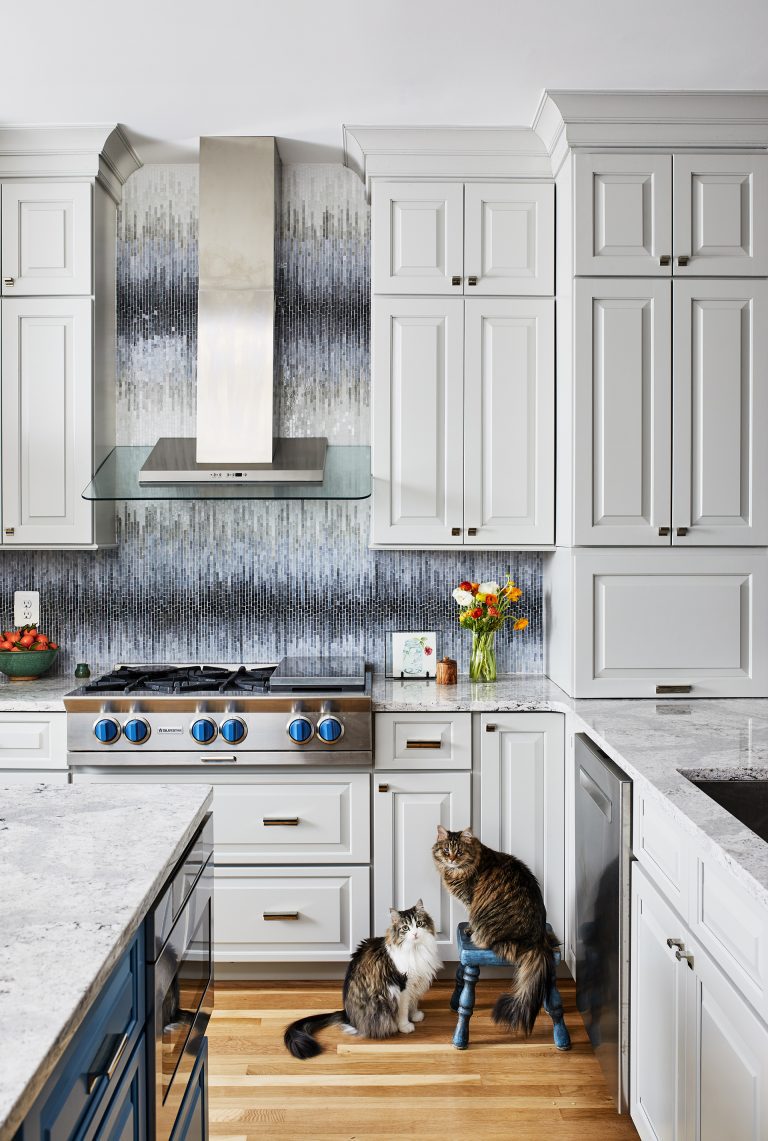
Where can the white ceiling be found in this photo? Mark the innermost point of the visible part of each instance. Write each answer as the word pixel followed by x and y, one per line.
pixel 172 70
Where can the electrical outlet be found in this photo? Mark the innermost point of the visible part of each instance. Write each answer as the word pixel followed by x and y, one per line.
pixel 26 607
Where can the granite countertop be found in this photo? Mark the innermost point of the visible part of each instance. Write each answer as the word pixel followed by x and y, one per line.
pixel 75 884
pixel 43 695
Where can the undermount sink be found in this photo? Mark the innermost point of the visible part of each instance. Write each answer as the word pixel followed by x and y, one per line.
pixel 746 799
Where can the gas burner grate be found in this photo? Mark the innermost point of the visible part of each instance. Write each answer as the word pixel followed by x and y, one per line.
pixel 181 679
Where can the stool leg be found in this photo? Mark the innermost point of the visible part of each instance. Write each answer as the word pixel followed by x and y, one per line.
pixel 466 1006
pixel 457 989
pixel 553 1004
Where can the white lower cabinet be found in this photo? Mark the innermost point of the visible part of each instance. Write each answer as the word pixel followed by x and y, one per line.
pixel 33 743
pixel 407 808
pixel 522 800
pixel 699 1054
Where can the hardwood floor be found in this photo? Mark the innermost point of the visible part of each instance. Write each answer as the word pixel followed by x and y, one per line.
pixel 414 1086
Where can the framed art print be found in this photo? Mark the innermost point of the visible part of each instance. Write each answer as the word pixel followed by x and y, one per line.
pixel 412 654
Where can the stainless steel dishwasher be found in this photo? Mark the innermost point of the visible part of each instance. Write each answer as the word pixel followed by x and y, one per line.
pixel 603 855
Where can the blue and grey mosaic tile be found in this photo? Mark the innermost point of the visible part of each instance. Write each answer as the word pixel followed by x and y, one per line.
pixel 252 580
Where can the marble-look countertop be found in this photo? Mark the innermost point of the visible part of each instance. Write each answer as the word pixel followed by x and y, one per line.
pixel 43 695
pixel 80 866
pixel 655 741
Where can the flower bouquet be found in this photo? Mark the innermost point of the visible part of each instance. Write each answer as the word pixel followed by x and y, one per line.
pixel 485 607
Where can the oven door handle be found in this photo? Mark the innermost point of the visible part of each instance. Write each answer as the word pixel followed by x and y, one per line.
pixel 212 759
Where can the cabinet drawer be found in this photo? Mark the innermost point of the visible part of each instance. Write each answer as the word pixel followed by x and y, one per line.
pixel 661 849
pixel 645 619
pixel 33 741
pixel 423 741
pixel 290 914
pixel 314 820
pixel 104 1042
pixel 733 926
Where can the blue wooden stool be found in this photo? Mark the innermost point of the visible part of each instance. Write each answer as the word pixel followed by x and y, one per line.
pixel 471 959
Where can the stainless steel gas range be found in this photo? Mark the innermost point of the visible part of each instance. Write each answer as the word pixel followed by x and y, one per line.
pixel 303 711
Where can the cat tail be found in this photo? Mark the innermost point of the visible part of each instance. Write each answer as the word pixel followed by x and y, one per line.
pixel 298 1037
pixel 534 975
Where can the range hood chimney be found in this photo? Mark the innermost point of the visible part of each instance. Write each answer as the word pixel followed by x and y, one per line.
pixel 240 181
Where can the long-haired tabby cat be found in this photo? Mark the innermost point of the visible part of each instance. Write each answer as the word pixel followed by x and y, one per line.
pixel 385 979
pixel 506 915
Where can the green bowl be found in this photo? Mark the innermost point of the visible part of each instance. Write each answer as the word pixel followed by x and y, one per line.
pixel 26 665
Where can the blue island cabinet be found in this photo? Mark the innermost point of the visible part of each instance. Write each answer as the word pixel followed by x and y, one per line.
pixel 100 1089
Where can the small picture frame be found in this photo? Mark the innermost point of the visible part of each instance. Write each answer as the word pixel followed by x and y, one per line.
pixel 412 654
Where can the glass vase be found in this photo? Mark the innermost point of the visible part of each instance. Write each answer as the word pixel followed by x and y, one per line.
pixel 482 659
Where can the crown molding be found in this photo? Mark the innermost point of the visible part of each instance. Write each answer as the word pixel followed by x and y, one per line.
pixel 445 152
pixel 98 151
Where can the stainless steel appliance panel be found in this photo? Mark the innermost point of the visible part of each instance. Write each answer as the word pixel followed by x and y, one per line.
pixel 603 853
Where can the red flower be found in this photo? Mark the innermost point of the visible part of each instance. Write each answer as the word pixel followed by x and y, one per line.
pixel 477 612
pixel 465 585
pixel 493 612
pixel 427 649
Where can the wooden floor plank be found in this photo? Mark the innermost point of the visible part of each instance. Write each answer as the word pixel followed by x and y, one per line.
pixel 415 1087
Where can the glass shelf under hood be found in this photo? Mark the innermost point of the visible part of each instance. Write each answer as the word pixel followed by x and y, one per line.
pixel 347 476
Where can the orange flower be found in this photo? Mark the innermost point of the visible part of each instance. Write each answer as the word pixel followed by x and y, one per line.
pixel 474 587
pixel 520 624
pixel 493 612
pixel 513 593
pixel 491 599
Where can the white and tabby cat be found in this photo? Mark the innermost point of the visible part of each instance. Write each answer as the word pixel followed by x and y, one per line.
pixel 386 977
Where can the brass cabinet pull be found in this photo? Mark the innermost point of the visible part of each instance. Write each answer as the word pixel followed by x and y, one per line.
pixel 665 259
pixel 472 280
pixel 10 530
pixel 9 281
pixel 455 280
pixel 280 821
pixel 471 530
pixel 383 788
pixel 455 530
pixel 673 688
pixel 280 916
pixel 423 744
pixel 664 530
pixel 682 531
pixel 683 260
pixel 93 1079
pixel 490 728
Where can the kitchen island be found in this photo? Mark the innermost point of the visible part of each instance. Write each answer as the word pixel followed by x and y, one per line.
pixel 80 868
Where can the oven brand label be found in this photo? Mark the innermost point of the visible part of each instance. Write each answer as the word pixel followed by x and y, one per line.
pixel 170 729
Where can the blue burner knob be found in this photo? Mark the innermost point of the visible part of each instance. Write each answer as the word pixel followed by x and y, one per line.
pixel 136 730
pixel 329 729
pixel 300 730
pixel 106 730
pixel 233 730
pixel 203 730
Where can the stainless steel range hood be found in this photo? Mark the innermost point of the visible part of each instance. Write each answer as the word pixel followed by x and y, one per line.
pixel 235 443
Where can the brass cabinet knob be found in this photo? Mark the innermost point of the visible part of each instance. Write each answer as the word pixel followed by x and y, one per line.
pixel 10 530
pixel 471 530
pixel 472 280
pixel 665 259
pixel 683 260
pixel 9 282
pixel 383 788
pixel 681 531
pixel 455 280
pixel 455 530
pixel 664 530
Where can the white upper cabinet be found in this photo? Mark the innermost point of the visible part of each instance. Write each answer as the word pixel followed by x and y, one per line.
pixel 509 238
pixel 418 421
pixel 417 239
pixel 46 239
pixel 453 238
pixel 720 215
pixel 46 421
pixel 692 215
pixel 509 439
pixel 622 413
pixel 720 414
pixel 623 214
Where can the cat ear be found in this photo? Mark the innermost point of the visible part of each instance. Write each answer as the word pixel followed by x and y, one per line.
pixel 394 915
pixel 467 834
pixel 441 832
pixel 419 905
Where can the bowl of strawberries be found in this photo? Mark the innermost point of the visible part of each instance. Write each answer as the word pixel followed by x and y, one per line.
pixel 26 653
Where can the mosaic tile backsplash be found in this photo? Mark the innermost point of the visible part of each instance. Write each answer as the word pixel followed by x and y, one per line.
pixel 247 580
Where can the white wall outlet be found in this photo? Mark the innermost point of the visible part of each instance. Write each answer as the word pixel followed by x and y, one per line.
pixel 26 607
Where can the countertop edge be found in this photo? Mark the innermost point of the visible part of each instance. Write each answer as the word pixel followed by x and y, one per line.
pixel 19 1110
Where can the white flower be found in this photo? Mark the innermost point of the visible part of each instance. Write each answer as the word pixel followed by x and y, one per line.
pixel 463 597
pixel 488 588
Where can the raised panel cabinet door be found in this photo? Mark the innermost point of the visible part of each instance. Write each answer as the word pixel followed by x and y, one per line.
pixel 509 237
pixel 720 215
pixel 522 797
pixel 509 422
pixel 622 413
pixel 720 472
pixel 728 1060
pixel 46 421
pixel 623 214
pixel 46 230
pixel 657 1027
pixel 417 237
pixel 407 808
pixel 418 352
